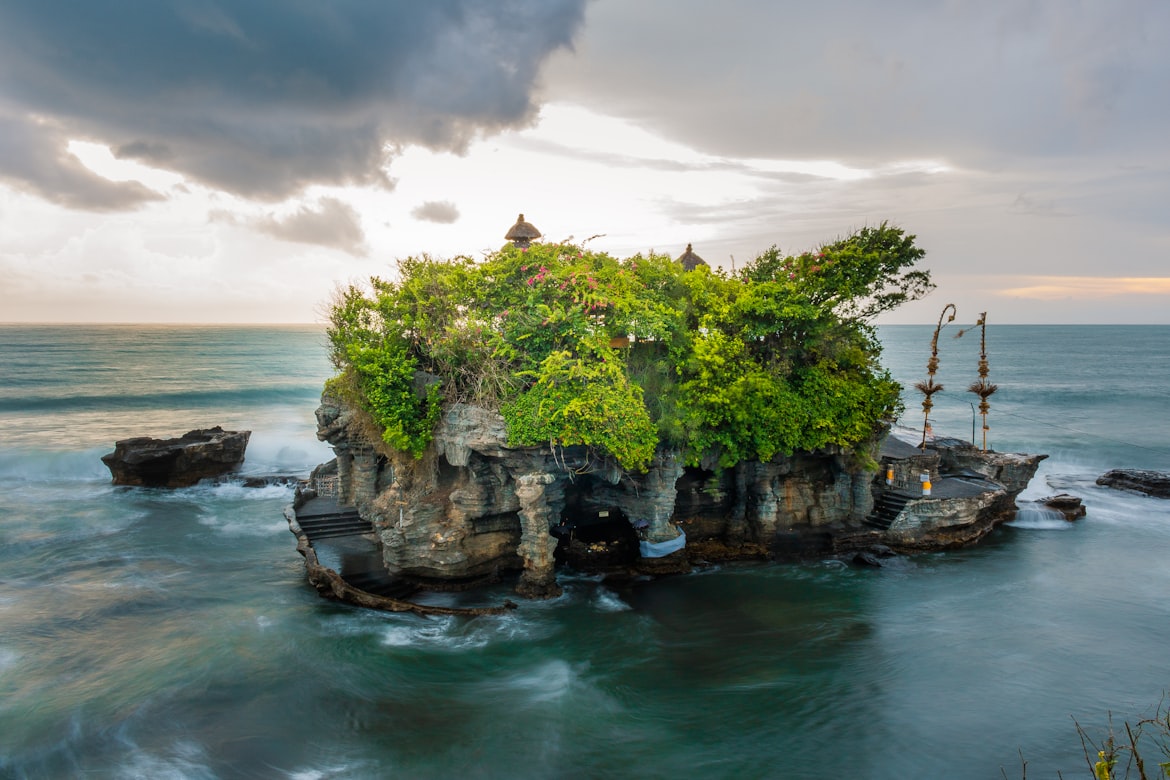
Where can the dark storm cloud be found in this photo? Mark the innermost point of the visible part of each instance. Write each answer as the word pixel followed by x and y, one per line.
pixel 263 97
pixel 34 158
pixel 976 80
pixel 441 211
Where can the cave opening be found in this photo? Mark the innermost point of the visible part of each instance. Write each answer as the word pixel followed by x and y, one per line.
pixel 594 533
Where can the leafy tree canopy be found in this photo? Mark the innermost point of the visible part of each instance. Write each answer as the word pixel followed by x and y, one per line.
pixel 575 347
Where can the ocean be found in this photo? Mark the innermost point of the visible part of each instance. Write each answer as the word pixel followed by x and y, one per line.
pixel 172 634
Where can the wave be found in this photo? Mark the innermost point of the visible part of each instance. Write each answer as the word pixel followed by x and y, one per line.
pixel 286 451
pixel 606 600
pixel 51 466
pixel 184 399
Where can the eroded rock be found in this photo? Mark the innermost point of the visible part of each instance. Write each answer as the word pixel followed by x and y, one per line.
pixel 180 462
pixel 1152 483
pixel 1069 506
pixel 473 507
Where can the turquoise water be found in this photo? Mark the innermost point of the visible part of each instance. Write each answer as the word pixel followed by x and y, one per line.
pixel 146 633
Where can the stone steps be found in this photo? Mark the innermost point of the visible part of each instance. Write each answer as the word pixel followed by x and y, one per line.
pixel 333 524
pixel 887 506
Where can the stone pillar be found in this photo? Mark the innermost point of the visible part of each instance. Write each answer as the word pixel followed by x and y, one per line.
pixel 736 532
pixel 661 493
pixel 344 475
pixel 540 498
pixel 364 479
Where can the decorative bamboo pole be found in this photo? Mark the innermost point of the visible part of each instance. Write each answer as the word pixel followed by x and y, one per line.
pixel 983 388
pixel 929 388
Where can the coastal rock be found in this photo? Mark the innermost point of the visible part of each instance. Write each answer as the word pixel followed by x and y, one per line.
pixel 1069 506
pixel 1012 470
pixel 874 556
pixel 181 462
pixel 471 508
pixel 1152 483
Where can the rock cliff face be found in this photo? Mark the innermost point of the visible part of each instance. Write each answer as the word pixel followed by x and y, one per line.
pixel 473 508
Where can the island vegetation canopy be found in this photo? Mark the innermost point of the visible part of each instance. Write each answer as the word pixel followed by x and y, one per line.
pixel 575 347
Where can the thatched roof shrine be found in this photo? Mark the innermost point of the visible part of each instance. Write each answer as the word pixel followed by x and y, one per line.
pixel 690 261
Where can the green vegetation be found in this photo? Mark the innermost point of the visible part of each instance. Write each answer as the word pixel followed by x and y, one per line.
pixel 575 347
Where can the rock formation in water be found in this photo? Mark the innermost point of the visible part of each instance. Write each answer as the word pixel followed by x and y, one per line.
pixel 1152 483
pixel 180 462
pixel 971 491
pixel 472 508
pixel 609 375
pixel 1070 507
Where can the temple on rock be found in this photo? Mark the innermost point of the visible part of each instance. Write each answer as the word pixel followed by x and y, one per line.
pixel 473 506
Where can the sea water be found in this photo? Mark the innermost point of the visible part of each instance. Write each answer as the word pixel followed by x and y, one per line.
pixel 172 634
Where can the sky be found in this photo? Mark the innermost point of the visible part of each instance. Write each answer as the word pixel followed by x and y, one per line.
pixel 240 160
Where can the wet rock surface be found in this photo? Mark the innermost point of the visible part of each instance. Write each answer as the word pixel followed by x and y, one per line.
pixel 1152 483
pixel 179 462
pixel 1069 506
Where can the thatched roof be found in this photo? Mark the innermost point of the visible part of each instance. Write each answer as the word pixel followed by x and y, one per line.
pixel 690 260
pixel 522 232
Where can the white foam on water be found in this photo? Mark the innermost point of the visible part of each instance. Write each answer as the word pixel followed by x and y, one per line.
pixel 257 526
pixel 54 466
pixel 328 772
pixel 435 633
pixel 285 451
pixel 546 682
pixel 1039 518
pixel 237 492
pixel 8 659
pixel 458 635
pixel 186 760
pixel 606 600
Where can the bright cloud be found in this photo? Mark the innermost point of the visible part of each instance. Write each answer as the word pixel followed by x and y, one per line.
pixel 1050 288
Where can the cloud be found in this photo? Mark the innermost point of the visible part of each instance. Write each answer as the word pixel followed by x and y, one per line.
pixel 441 211
pixel 264 97
pixel 332 224
pixel 1048 288
pixel 34 158
pixel 961 80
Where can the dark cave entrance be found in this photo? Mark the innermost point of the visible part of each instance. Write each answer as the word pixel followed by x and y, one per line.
pixel 594 534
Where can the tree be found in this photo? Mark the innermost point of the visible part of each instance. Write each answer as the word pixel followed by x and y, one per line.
pixel 777 358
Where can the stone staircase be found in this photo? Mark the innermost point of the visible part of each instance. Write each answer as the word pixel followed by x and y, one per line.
pixel 887 505
pixel 322 519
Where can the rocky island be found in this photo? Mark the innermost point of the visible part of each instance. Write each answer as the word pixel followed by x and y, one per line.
pixel 551 406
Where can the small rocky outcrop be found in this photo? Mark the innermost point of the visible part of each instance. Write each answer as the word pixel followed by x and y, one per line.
pixel 181 462
pixel 874 556
pixel 1069 506
pixel 972 491
pixel 1152 483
